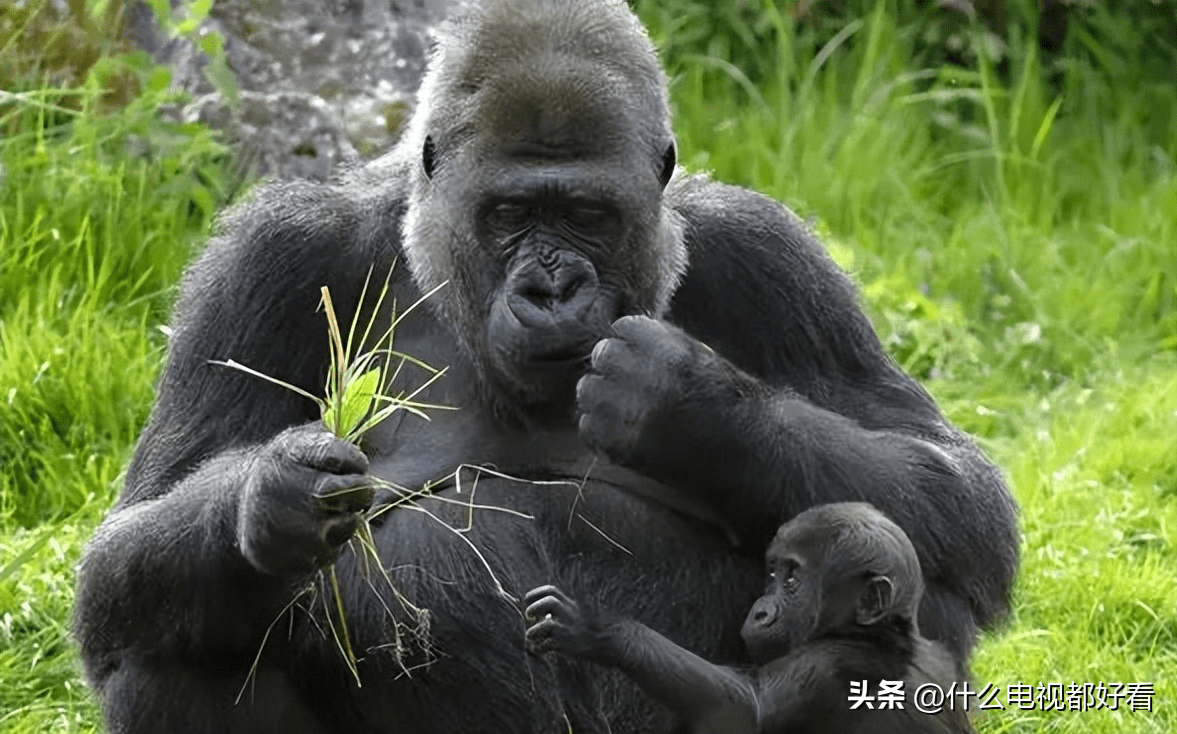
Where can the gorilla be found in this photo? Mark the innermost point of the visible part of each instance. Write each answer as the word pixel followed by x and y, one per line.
pixel 839 608
pixel 651 372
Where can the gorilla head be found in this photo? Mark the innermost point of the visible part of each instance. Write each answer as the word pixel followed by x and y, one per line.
pixel 837 569
pixel 542 147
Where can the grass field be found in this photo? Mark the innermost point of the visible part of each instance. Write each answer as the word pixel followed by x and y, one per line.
pixel 1013 227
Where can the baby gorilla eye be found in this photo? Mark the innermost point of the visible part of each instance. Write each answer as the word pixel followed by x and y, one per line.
pixel 788 574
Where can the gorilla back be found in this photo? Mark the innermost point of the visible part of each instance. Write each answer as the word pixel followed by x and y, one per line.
pixel 653 371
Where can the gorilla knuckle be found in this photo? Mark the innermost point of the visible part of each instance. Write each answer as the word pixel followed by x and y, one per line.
pixel 327 452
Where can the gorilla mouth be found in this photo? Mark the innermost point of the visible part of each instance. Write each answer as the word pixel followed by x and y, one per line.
pixel 563 357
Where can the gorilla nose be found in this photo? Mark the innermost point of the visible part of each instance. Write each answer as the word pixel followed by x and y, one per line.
pixel 762 614
pixel 560 293
pixel 549 292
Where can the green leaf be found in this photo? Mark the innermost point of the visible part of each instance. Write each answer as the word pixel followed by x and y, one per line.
pixel 218 73
pixel 212 44
pixel 159 79
pixel 358 398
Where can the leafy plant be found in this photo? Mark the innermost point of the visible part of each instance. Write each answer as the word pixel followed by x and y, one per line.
pixel 356 399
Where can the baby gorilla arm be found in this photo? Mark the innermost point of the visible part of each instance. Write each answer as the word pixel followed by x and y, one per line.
pixel 709 698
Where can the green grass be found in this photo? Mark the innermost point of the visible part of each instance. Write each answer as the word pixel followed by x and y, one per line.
pixel 1013 226
pixel 92 241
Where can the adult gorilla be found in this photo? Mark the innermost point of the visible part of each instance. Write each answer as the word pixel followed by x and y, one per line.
pixel 682 351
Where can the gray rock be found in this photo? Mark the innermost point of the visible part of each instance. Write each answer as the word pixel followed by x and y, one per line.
pixel 321 81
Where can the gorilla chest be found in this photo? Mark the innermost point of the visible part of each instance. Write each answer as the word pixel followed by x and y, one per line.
pixel 457 448
pixel 411 452
pixel 518 510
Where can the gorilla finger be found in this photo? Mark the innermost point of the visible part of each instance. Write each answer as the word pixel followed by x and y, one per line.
pixel 327 452
pixel 549 606
pixel 613 356
pixel 554 591
pixel 589 389
pixel 337 530
pixel 535 610
pixel 541 636
pixel 539 642
pixel 591 431
pixel 537 593
pixel 637 328
pixel 538 610
pixel 608 423
pixel 599 350
pixel 606 399
pixel 348 493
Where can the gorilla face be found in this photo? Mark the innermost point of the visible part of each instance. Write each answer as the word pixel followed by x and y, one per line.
pixel 839 568
pixel 791 608
pixel 538 196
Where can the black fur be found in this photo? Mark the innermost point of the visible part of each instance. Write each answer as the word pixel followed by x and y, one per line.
pixel 734 382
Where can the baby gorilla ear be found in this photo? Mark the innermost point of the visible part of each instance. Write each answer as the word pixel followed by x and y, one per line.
pixel 874 601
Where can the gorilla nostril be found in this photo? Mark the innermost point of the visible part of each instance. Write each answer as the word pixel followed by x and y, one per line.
pixel 548 294
pixel 538 296
pixel 571 287
pixel 763 613
pixel 542 296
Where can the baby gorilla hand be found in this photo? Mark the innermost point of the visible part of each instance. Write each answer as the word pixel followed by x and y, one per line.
pixel 556 623
pixel 302 497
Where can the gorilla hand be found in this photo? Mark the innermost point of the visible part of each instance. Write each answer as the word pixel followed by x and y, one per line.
pixel 303 494
pixel 652 393
pixel 556 623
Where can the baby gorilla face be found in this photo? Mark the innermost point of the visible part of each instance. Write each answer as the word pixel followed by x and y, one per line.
pixel 833 568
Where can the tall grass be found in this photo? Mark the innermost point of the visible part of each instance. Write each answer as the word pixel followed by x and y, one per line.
pixel 1012 222
pixel 98 214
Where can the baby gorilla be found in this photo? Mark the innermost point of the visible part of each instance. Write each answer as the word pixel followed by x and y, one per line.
pixel 839 607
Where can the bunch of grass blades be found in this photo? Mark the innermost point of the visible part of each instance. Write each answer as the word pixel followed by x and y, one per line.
pixel 356 399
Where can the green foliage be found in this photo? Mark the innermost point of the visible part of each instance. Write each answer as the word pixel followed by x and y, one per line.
pixel 99 212
pixel 100 207
pixel 49 43
pixel 1011 214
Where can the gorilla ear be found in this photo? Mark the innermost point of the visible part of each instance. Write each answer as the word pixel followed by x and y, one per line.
pixel 427 156
pixel 669 159
pixel 874 602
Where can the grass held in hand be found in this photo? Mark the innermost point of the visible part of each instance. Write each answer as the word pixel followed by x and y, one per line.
pixel 356 399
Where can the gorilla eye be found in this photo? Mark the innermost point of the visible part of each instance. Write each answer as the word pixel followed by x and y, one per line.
pixel 786 573
pixel 586 217
pixel 508 216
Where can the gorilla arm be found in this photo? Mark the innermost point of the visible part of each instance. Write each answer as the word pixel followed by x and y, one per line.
pixel 766 391
pixel 222 515
pixel 708 697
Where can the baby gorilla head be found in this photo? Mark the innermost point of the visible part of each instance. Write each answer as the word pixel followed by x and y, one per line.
pixel 834 569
